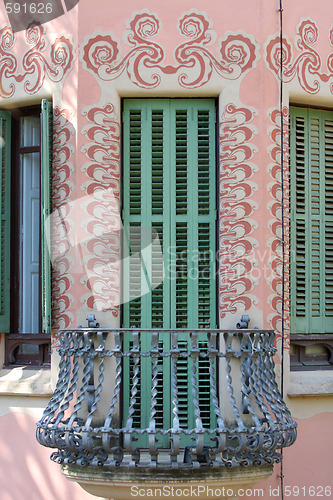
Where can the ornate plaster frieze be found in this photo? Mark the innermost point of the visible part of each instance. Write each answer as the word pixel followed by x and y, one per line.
pixel 41 61
pixel 194 62
pixel 305 66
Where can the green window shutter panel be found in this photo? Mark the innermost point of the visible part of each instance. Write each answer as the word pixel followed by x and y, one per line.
pixel 169 186
pixel 311 222
pixel 5 149
pixel 46 176
pixel 169 191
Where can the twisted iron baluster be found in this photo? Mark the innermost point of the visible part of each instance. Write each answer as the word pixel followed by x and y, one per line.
pixel 194 355
pixel 274 397
pixel 238 433
pixel 221 430
pixel 100 350
pixel 252 445
pixel 175 402
pixel 256 368
pixel 73 385
pixel 128 438
pixel 258 378
pixel 73 443
pixel 62 382
pixel 152 427
pixel 77 453
pixel 231 353
pixel 70 381
pixel 47 428
pixel 267 377
pixel 89 437
pixel 107 431
pixel 212 356
pixel 245 370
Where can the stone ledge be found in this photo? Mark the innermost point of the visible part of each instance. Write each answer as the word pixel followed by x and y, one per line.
pixel 308 383
pixel 123 484
pixel 25 381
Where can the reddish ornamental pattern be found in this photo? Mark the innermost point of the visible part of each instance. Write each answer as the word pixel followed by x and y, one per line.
pixel 194 63
pixel 41 61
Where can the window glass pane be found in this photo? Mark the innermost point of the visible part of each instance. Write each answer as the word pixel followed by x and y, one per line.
pixel 30 131
pixel 30 220
pixel 28 349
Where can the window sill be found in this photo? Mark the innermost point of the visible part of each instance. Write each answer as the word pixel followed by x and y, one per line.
pixel 310 383
pixel 25 381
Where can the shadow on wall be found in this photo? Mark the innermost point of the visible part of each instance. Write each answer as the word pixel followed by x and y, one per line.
pixel 26 471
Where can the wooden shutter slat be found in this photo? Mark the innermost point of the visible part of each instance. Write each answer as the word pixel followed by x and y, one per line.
pixel 46 179
pixel 329 268
pixel 181 311
pixel 5 180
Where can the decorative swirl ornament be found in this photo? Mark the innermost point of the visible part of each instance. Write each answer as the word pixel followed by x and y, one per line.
pixel 62 187
pixel 275 224
pixel 101 209
pixel 306 66
pixel 236 209
pixel 39 62
pixel 8 62
pixel 194 62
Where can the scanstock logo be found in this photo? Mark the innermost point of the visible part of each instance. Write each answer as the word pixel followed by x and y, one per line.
pixel 22 13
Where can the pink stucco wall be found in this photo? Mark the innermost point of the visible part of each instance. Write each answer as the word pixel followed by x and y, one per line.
pixel 306 464
pixel 103 51
pixel 26 472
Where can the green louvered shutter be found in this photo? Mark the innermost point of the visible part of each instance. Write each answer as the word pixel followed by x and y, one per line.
pixel 311 220
pixel 169 186
pixel 46 176
pixel 5 149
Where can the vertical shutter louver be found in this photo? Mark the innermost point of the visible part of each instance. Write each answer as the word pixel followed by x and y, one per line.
pixel 329 217
pixel 314 225
pixel 157 268
pixel 5 149
pixel 181 282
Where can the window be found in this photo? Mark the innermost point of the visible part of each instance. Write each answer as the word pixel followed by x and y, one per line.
pixel 311 225
pixel 25 285
pixel 169 190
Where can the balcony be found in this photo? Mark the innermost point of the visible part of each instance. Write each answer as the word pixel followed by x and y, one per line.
pixel 133 406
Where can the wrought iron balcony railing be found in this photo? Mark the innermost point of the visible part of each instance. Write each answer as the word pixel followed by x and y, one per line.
pixel 166 398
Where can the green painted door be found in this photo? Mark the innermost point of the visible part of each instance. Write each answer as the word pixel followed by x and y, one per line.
pixel 169 273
